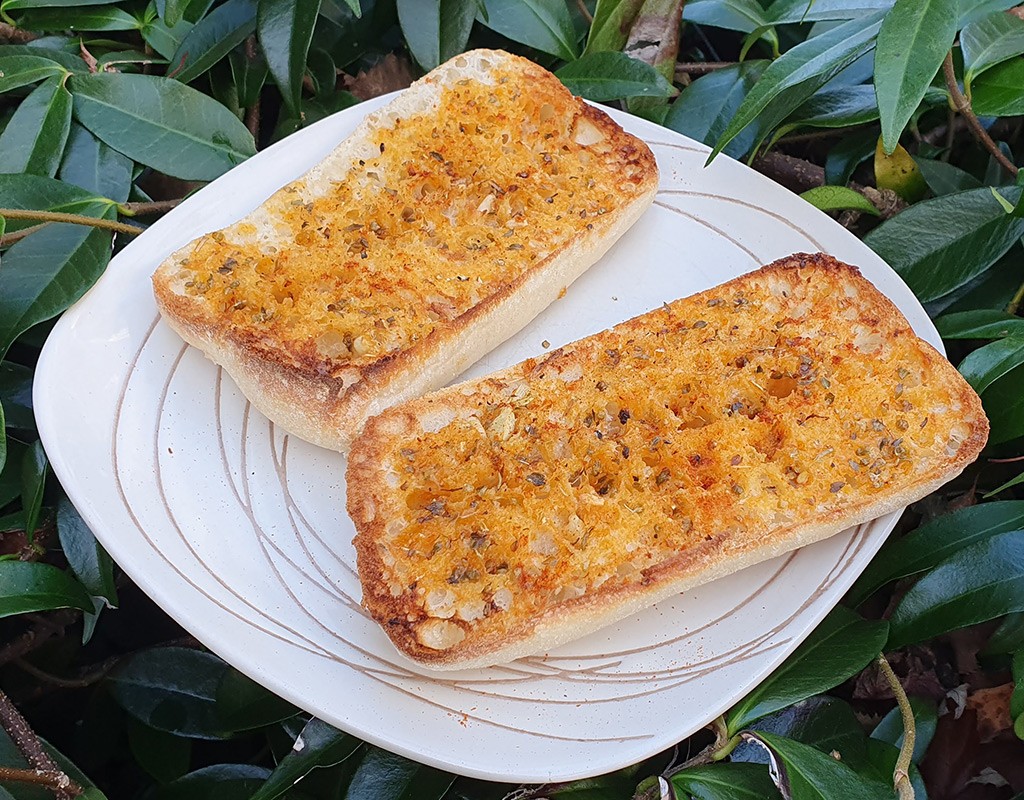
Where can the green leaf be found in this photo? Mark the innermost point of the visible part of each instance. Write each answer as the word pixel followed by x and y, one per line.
pixel 999 92
pixel 217 782
pixel 95 167
pixel 322 71
pixel 805 773
pixel 46 272
pixel 70 62
pixel 703 109
pixel 943 178
pixel 880 766
pixel 315 110
pixel 212 38
pixel 926 718
pixel 1008 637
pixel 610 28
pixel 823 722
pixel 249 75
pixel 318 745
pixel 543 24
pixel 18 71
pixel 898 172
pixel 11 756
pixel 734 781
pixel 39 193
pixel 34 469
pixel 978 583
pixel 385 774
pixel 804 69
pixel 33 140
pixel 165 39
pixel 934 542
pixel 86 556
pixel 847 154
pixel 837 198
pixel 984 366
pixel 1017 699
pixel 839 647
pixel 913 41
pixel 436 30
pixel 242 704
pixel 10 474
pixel 171 689
pixel 1008 485
pixel 939 245
pixel 793 11
pixel 972 11
pixel 162 123
pixel 32 586
pixel 173 11
pixel 285 30
pixel 744 16
pixel 990 41
pixel 611 76
pixel 90 18
pixel 16 5
pixel 3 438
pixel 1004 405
pixel 16 396
pixel 163 755
pixel 838 107
pixel 613 786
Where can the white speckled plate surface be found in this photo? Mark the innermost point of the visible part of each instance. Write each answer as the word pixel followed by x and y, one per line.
pixel 239 530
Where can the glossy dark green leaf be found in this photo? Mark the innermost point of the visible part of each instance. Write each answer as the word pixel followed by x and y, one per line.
pixel 1008 637
pixel 315 110
pixel 838 198
pixel 242 704
pixel 733 781
pixel 34 469
pixel 972 11
pixel 745 16
pixel 806 773
pixel 984 366
pixel 543 24
pixel 385 774
pixel 322 71
pixel 318 745
pixel 880 765
pixel 838 107
pixel 990 41
pixel 939 245
pixel 32 586
pixel 18 71
pixel 793 11
pixel 3 437
pixel 999 92
pixel 610 28
pixel 934 542
pixel 163 755
pixel 912 43
pixel 70 61
pixel 604 787
pixel 847 154
pixel 39 193
pixel 171 689
pixel 1017 698
pixel 1003 487
pixel 17 5
pixel 33 140
pixel 212 38
pixel 610 76
pixel 943 178
pixel 88 18
pixel 285 28
pixel 86 556
pixel 436 30
pixel 249 73
pixel 10 475
pixel 165 39
pixel 800 72
pixel 162 123
pixel 217 782
pixel 824 722
pixel 1004 405
pixel 46 272
pixel 703 109
pixel 173 11
pixel 96 167
pixel 926 718
pixel 978 583
pixel 839 647
pixel 16 395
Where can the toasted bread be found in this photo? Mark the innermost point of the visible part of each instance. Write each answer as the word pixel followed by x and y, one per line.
pixel 440 227
pixel 504 516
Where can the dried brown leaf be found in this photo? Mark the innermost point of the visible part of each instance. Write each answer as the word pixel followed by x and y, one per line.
pixel 390 74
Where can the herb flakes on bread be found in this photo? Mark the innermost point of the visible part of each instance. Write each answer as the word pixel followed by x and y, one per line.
pixel 504 516
pixel 439 228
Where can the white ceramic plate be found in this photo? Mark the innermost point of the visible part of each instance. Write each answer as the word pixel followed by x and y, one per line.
pixel 239 531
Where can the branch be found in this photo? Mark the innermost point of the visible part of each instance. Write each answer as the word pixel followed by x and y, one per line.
pixel 35 637
pixel 963 105
pixel 11 35
pixel 31 748
pixel 83 680
pixel 702 67
pixel 59 782
pixel 154 207
pixel 11 238
pixel 585 11
pixel 74 219
pixel 901 774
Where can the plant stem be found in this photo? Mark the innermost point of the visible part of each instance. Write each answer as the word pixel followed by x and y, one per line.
pixel 155 207
pixel 702 67
pixel 901 774
pixel 11 238
pixel 252 120
pixel 56 781
pixel 74 219
pixel 585 11
pixel 31 748
pixel 1018 298
pixel 86 679
pixel 963 105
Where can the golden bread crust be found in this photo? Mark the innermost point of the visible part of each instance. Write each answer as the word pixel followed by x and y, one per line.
pixel 824 411
pixel 413 249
